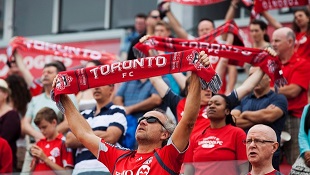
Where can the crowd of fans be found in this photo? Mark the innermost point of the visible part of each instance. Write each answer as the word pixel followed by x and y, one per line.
pixel 237 131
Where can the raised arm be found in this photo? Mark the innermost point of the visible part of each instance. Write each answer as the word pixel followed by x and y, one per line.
pixel 79 126
pixel 230 14
pixel 249 84
pixel 181 134
pixel 271 21
pixel 23 69
pixel 174 23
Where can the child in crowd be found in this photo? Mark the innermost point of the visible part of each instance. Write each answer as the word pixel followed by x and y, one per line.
pixel 50 153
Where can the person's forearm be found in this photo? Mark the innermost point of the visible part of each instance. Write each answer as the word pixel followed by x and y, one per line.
pixel 176 26
pixel 249 84
pixel 72 141
pixel 290 91
pixel 55 167
pixel 271 20
pixel 230 14
pixel 28 129
pixel 160 85
pixel 232 78
pixel 262 115
pixel 23 69
pixel 180 78
pixel 244 123
pixel 78 125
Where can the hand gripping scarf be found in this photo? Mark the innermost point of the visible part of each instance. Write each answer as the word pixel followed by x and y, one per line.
pixel 257 57
pixel 45 48
pixel 69 82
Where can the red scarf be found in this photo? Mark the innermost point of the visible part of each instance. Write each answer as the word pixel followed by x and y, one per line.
pixel 196 2
pixel 228 27
pixel 69 82
pixel 45 48
pixel 257 57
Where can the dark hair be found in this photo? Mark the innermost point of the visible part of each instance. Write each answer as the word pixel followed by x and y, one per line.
pixel 263 26
pixel 96 62
pixel 295 27
pixel 307 121
pixel 58 64
pixel 141 15
pixel 20 93
pixel 229 118
pixel 47 114
pixel 207 19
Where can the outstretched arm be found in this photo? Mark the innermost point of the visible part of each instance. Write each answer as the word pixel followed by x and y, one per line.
pixel 23 69
pixel 271 21
pixel 249 84
pixel 180 136
pixel 79 126
pixel 174 23
pixel 230 14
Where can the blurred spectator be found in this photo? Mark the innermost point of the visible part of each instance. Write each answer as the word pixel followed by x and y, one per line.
pixel 50 153
pixel 261 143
pixel 85 98
pixel 152 18
pixel 10 128
pixel 139 28
pixel 219 145
pixel 19 99
pixel 263 106
pixel 204 27
pixel 296 71
pixel 108 122
pixel 6 160
pixel 50 71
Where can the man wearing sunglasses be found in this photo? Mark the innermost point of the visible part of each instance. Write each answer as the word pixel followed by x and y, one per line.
pixel 153 130
pixel 261 143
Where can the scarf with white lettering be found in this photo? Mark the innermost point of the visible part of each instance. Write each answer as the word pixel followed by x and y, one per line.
pixel 228 27
pixel 73 81
pixel 45 48
pixel 257 57
pixel 265 5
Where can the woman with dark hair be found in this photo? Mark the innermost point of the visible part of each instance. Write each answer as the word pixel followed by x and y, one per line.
pixel 258 32
pixel 301 27
pixel 219 148
pixel 303 135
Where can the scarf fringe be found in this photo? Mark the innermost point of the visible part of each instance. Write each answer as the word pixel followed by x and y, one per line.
pixel 137 53
pixel 214 84
pixel 58 102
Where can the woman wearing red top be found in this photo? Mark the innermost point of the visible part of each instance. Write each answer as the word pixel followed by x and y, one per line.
pixel 219 148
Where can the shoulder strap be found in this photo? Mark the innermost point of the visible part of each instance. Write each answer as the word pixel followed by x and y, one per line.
pixel 121 157
pixel 162 164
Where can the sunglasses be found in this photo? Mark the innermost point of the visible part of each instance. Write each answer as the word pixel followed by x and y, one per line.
pixel 155 17
pixel 151 119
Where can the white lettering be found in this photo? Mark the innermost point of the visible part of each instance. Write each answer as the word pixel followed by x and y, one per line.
pixel 95 72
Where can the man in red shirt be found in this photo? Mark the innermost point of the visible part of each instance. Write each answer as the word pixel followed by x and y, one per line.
pixel 296 71
pixel 154 129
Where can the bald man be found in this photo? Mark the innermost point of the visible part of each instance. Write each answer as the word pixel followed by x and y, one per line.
pixel 296 71
pixel 261 144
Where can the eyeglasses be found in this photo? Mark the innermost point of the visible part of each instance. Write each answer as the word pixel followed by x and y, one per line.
pixel 256 141
pixel 151 119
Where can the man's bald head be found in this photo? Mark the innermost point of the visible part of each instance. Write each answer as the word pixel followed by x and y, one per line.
pixel 265 131
pixel 286 32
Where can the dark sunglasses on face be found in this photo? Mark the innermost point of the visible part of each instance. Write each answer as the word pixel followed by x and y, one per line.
pixel 151 119
pixel 155 17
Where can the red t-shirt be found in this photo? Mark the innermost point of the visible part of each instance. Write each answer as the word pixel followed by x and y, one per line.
pixel 137 163
pixel 6 159
pixel 302 45
pixel 296 71
pixel 274 172
pixel 217 151
pixel 202 120
pixel 36 88
pixel 57 152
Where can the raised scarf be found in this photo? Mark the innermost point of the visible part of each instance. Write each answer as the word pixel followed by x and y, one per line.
pixel 45 48
pixel 256 57
pixel 78 80
pixel 228 27
pixel 195 2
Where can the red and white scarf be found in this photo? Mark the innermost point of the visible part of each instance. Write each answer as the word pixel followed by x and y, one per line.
pixel 78 80
pixel 45 48
pixel 195 2
pixel 257 57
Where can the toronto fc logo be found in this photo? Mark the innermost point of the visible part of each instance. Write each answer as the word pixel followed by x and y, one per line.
pixel 193 59
pixel 63 81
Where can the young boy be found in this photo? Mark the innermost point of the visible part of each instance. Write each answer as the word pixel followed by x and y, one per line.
pixel 50 153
